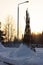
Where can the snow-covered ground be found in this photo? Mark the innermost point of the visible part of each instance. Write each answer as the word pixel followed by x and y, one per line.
pixel 21 56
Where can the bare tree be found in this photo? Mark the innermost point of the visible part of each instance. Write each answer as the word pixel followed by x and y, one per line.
pixel 9 28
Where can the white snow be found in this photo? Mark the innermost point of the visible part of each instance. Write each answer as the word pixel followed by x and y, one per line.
pixel 21 56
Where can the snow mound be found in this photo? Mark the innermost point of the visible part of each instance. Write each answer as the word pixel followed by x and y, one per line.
pixel 21 56
pixel 22 51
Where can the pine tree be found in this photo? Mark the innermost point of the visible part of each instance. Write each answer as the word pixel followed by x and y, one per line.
pixel 1 34
pixel 27 33
pixel 1 38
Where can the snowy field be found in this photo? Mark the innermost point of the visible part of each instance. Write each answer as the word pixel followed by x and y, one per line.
pixel 20 56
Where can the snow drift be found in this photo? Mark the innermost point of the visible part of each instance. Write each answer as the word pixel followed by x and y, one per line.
pixel 21 56
pixel 22 51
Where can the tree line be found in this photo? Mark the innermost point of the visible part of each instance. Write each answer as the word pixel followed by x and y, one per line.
pixel 29 39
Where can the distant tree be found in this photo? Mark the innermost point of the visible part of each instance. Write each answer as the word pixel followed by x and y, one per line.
pixel 2 34
pixel 27 33
pixel 42 37
pixel 9 29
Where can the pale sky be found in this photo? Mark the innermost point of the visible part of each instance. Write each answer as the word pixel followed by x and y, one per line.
pixel 35 9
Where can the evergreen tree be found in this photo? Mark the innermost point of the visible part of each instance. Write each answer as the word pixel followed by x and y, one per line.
pixel 1 34
pixel 27 33
pixel 1 38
